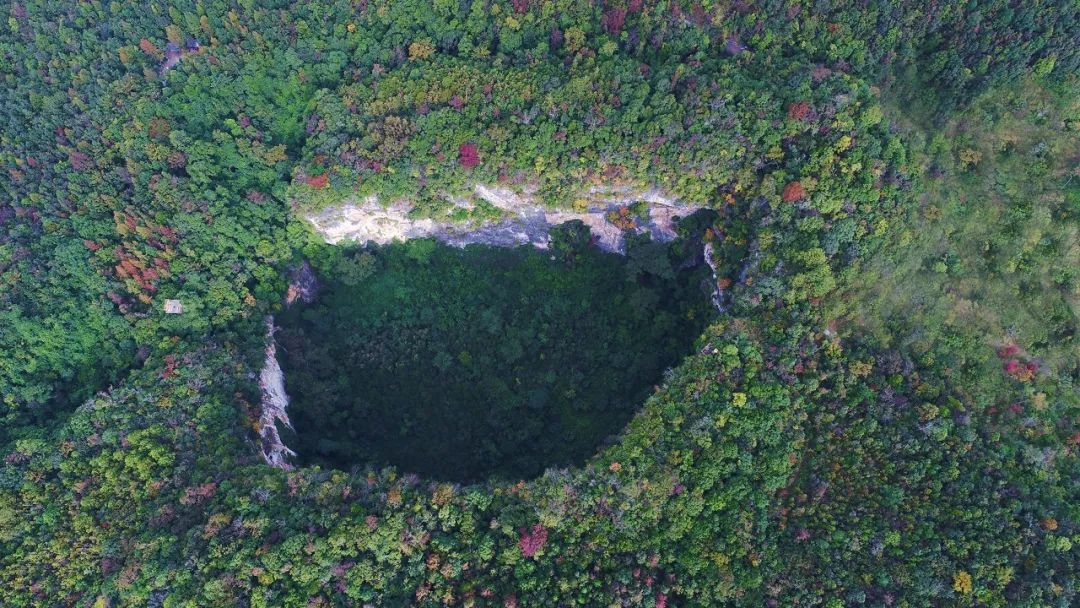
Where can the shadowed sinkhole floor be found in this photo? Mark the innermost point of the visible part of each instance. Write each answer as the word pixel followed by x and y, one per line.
pixel 466 364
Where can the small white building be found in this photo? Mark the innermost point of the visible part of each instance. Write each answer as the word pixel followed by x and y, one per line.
pixel 174 307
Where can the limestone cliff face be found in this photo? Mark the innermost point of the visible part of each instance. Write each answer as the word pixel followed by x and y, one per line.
pixel 718 292
pixel 525 220
pixel 275 405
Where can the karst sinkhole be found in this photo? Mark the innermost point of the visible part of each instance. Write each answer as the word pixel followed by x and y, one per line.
pixel 464 364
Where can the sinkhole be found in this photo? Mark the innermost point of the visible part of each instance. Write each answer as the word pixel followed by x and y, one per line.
pixel 464 364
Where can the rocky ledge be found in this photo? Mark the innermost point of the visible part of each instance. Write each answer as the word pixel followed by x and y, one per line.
pixel 610 213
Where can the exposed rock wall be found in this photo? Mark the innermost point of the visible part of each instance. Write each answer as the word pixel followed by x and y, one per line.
pixel 718 293
pixel 525 221
pixel 274 406
pixel 302 284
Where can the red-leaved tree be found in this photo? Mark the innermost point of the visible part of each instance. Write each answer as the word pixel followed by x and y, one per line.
pixel 533 541
pixel 613 19
pixel 468 155
pixel 793 192
pixel 799 110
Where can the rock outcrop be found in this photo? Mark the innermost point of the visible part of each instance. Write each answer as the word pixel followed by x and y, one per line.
pixel 718 292
pixel 524 219
pixel 303 285
pixel 274 406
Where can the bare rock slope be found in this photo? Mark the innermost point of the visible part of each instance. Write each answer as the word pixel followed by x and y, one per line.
pixel 524 220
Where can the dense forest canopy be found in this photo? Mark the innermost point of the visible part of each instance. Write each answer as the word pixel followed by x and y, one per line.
pixel 883 413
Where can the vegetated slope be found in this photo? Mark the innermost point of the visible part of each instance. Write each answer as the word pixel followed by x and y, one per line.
pixel 993 247
pixel 888 482
pixel 145 150
pixel 915 486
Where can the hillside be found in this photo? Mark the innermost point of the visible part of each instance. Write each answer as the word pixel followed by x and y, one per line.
pixel 540 303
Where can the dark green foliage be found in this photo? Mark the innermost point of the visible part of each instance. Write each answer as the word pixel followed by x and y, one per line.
pixel 461 364
pixel 166 151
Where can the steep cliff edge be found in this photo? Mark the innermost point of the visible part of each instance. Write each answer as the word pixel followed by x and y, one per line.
pixel 609 213
pixel 274 405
